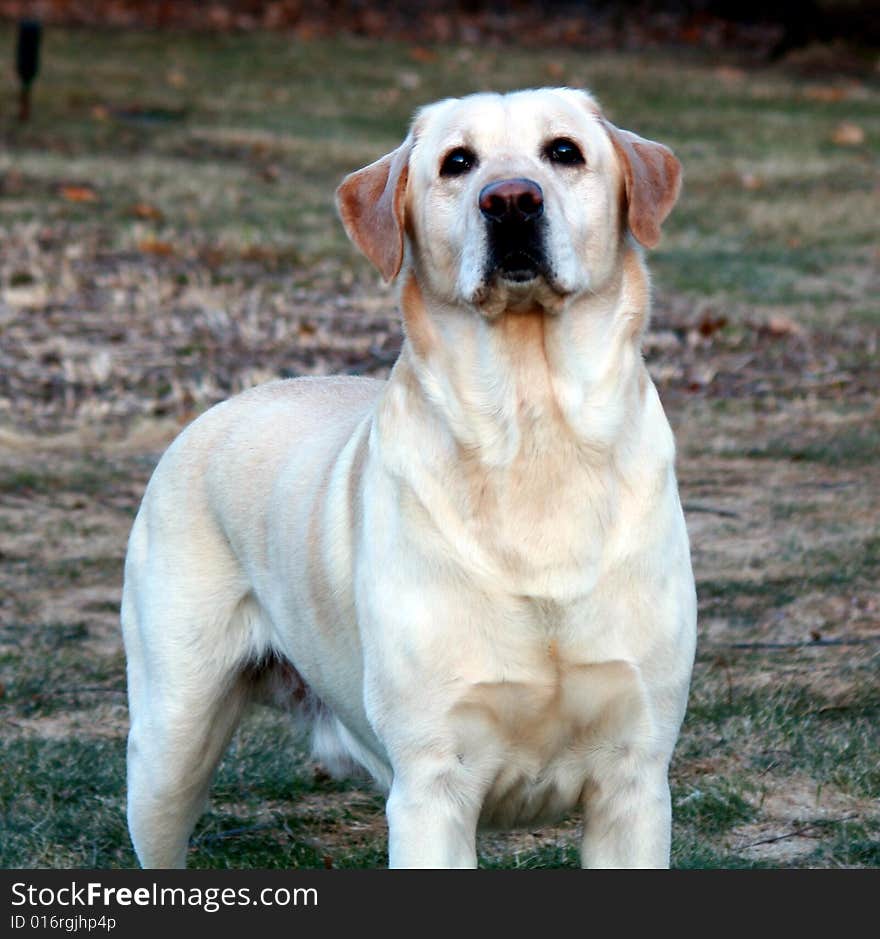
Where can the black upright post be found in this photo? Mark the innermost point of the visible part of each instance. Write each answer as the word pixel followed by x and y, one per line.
pixel 27 62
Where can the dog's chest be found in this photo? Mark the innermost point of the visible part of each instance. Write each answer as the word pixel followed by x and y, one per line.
pixel 539 737
pixel 545 525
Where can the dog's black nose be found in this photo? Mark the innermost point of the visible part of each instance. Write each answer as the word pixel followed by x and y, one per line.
pixel 512 200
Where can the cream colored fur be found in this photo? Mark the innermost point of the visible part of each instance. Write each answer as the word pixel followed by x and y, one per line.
pixel 473 579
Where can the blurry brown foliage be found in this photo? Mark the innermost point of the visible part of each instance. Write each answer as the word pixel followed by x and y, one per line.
pixel 601 24
pixel 813 36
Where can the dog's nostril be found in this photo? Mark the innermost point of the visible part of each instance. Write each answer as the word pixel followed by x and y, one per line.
pixel 495 207
pixel 512 200
pixel 528 205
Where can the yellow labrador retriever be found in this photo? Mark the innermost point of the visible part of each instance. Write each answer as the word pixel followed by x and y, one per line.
pixel 474 579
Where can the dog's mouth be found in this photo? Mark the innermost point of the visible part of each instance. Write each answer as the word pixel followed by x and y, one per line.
pixel 516 254
pixel 520 267
pixel 517 273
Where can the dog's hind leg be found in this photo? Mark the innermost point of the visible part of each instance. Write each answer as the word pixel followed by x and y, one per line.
pixel 188 641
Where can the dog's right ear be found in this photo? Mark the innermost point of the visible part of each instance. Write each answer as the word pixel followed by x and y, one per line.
pixel 371 206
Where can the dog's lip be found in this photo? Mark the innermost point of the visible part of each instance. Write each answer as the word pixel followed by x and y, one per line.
pixel 519 277
pixel 527 278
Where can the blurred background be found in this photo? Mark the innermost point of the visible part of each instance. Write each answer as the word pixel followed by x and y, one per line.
pixel 168 238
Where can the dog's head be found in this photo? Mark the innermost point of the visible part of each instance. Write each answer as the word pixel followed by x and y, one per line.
pixel 510 200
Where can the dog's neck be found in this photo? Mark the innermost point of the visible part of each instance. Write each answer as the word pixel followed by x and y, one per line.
pixel 528 379
pixel 529 437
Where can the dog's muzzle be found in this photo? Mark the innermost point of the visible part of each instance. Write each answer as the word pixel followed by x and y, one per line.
pixel 513 209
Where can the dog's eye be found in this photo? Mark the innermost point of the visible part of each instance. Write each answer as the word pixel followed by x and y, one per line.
pixel 563 150
pixel 458 161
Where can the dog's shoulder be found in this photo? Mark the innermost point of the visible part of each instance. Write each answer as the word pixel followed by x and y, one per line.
pixel 245 436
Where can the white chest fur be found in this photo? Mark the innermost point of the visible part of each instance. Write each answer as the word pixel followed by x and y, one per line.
pixel 540 742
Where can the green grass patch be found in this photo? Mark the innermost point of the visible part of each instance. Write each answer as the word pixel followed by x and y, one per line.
pixel 855 446
pixel 849 565
pixel 61 804
pixel 542 857
pixel 94 478
pixel 711 809
pixel 704 814
pixel 788 728
pixel 49 787
pixel 52 668
pixel 852 843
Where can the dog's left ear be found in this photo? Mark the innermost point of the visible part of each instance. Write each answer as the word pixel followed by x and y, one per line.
pixel 371 206
pixel 652 177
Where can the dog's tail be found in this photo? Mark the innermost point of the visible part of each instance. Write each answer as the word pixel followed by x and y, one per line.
pixel 276 682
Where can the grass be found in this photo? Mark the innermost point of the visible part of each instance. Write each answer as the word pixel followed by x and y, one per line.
pixel 169 238
pixel 854 446
pixel 800 730
pixel 90 478
pixel 42 662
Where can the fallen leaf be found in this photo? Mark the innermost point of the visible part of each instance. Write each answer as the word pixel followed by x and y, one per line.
pixel 306 32
pixel 154 246
pixel 213 257
pixel 146 211
pixel 779 325
pixel 261 253
pixel 826 93
pixel 422 54
pixel 730 74
pixel 710 324
pixel 77 193
pixel 847 134
pixel 752 181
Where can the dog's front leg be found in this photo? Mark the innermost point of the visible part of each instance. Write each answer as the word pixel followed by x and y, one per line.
pixel 429 824
pixel 627 818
